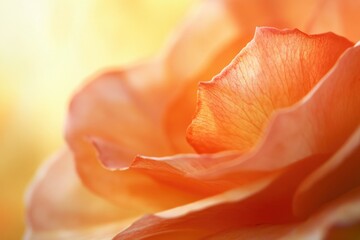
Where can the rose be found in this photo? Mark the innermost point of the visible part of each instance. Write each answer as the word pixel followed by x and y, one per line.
pixel 269 179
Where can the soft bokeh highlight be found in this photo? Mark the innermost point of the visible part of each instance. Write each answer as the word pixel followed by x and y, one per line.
pixel 47 48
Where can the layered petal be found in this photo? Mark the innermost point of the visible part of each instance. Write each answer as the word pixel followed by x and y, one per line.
pixel 155 120
pixel 266 201
pixel 261 208
pixel 127 109
pixel 274 71
pixel 98 111
pixel 196 219
pixel 337 176
pixel 209 174
pixel 337 220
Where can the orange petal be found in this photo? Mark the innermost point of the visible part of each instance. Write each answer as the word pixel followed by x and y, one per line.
pixel 339 216
pixel 110 110
pixel 337 176
pixel 191 172
pixel 274 71
pixel 260 202
pixel 319 124
pixel 251 211
pixel 338 220
pixel 322 198
pixel 196 219
pixel 57 201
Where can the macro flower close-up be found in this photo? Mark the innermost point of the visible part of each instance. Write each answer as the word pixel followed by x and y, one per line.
pixel 245 125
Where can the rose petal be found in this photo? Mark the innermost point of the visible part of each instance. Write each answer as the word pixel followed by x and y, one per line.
pixel 268 201
pixel 274 71
pixel 343 211
pixel 264 201
pixel 338 220
pixel 57 201
pixel 193 220
pixel 335 177
pixel 340 84
pixel 319 124
pixel 276 151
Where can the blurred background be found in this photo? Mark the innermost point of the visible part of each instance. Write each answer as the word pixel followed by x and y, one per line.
pixel 47 49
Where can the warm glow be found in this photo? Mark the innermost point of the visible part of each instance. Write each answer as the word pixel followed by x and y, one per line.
pixel 47 49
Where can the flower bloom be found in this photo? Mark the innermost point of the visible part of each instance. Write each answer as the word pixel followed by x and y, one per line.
pixel 268 149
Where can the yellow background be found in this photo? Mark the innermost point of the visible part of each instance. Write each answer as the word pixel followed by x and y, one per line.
pixel 47 49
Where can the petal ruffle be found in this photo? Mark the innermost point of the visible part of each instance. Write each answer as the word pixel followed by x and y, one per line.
pixel 274 71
